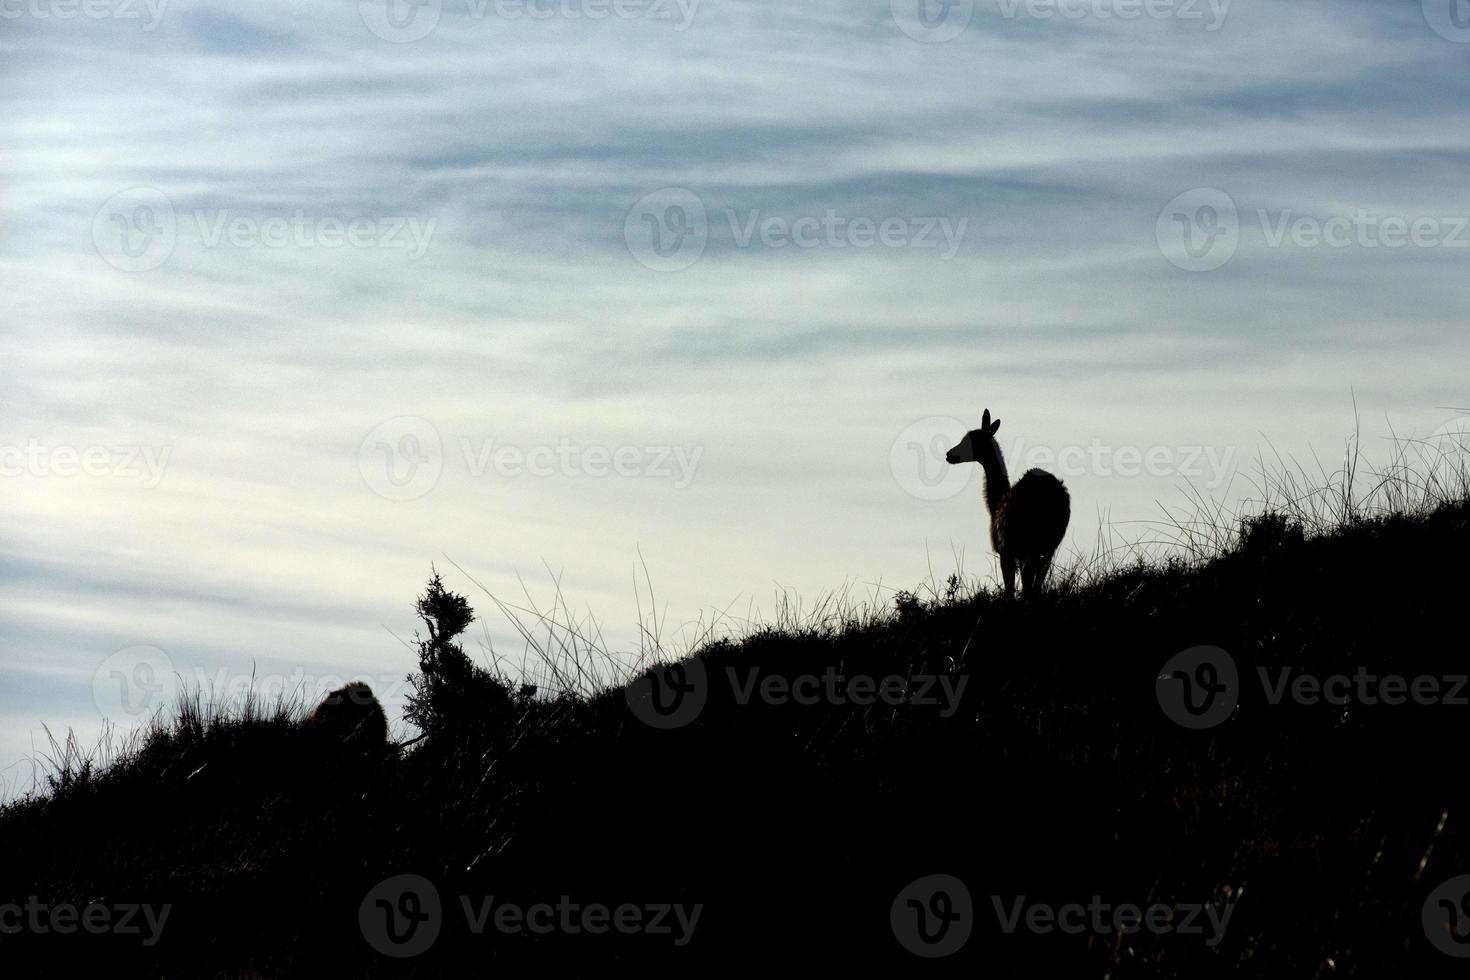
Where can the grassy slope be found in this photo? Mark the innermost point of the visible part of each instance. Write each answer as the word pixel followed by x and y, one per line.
pixel 1059 778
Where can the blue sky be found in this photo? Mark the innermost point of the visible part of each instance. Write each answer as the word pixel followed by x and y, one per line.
pixel 300 299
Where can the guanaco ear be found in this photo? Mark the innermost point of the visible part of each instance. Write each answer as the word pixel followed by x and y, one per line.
pixel 994 425
pixel 985 422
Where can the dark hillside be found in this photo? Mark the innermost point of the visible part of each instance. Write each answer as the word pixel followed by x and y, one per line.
pixel 1055 774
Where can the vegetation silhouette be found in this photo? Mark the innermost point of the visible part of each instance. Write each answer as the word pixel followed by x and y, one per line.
pixel 798 824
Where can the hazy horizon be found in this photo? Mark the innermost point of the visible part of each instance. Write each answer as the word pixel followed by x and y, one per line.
pixel 300 301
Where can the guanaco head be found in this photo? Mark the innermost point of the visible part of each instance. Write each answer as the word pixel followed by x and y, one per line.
pixel 978 445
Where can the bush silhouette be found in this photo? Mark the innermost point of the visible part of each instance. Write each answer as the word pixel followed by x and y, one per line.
pixel 451 693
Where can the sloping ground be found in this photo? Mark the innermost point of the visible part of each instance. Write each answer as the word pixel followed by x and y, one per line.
pixel 1314 832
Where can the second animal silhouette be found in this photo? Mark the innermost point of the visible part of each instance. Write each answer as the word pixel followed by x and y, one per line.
pixel 1028 520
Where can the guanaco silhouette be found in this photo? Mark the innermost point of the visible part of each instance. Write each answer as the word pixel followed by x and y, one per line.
pixel 1028 520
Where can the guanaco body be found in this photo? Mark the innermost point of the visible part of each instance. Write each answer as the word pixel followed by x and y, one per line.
pixel 1027 520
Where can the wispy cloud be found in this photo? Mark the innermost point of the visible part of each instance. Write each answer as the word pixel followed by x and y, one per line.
pixel 248 236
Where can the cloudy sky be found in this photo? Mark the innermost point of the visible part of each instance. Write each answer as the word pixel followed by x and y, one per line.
pixel 300 298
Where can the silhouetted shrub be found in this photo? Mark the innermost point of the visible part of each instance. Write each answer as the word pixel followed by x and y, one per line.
pixel 451 693
pixel 1263 532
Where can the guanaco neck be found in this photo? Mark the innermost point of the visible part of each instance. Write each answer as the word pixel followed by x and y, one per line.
pixel 997 481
